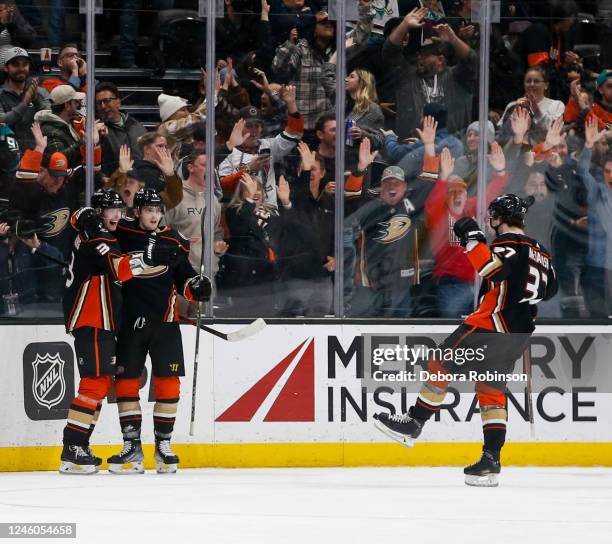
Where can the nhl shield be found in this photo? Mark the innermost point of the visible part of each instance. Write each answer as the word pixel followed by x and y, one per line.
pixel 48 380
pixel 48 384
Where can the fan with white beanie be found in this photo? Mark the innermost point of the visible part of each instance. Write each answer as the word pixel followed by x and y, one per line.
pixel 177 122
pixel 169 105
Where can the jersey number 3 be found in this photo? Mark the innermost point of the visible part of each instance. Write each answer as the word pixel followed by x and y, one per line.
pixel 536 282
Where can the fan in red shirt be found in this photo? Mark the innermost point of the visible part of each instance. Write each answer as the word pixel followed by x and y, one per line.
pixel 448 202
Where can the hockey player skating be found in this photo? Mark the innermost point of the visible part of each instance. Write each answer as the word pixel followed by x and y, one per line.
pixel 92 304
pixel 150 326
pixel 517 273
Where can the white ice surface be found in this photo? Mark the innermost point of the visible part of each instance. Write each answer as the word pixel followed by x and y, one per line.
pixel 315 506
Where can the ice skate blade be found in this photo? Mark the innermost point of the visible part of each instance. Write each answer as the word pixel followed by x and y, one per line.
pixel 163 468
pixel 126 468
pixel 66 467
pixel 398 437
pixel 488 480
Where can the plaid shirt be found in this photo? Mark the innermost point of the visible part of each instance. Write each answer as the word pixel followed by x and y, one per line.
pixel 312 74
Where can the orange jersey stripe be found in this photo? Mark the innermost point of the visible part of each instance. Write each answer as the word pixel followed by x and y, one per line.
pixel 482 316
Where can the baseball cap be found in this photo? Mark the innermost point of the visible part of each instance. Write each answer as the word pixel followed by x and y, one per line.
pixel 13 53
pixel 250 113
pixel 601 79
pixel 322 16
pixel 57 164
pixel 63 93
pixel 393 172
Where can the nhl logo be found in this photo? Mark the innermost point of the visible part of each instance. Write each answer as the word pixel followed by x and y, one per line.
pixel 48 380
pixel 48 384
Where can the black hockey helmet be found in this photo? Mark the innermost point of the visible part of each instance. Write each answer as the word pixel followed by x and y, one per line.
pixel 509 207
pixel 106 199
pixel 147 197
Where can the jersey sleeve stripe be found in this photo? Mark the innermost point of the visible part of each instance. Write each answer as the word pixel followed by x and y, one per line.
pixel 483 260
pixel 491 267
pixel 78 306
pixel 104 306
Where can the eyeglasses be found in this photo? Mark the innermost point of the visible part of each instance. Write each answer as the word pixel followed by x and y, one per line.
pixel 69 55
pixel 534 81
pixel 106 101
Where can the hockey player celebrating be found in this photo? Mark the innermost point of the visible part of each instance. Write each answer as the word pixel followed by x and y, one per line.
pixel 517 273
pixel 92 303
pixel 150 326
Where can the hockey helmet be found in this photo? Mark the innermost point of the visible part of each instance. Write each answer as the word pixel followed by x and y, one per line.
pixel 106 199
pixel 509 206
pixel 147 197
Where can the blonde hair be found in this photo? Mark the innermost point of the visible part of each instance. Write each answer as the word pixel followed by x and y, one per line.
pixel 366 90
pixel 239 198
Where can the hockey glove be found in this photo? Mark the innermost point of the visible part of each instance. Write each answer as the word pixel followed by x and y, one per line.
pixel 160 254
pixel 467 229
pixel 198 289
pixel 88 223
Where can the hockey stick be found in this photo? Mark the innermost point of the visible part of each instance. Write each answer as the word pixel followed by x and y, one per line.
pixel 196 357
pixel 527 370
pixel 198 324
pixel 241 334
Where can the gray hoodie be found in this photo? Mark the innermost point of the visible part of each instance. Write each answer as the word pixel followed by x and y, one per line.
pixel 187 217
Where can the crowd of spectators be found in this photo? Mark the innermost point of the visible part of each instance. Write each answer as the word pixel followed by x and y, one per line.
pixel 412 141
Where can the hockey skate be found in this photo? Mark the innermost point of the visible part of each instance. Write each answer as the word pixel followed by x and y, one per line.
pixel 165 459
pixel 97 460
pixel 77 460
pixel 402 428
pixel 129 460
pixel 484 472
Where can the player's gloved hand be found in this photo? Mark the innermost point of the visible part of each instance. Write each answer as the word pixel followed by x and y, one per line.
pixel 88 222
pixel 467 229
pixel 160 254
pixel 198 288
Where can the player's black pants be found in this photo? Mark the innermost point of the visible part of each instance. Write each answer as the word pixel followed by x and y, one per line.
pixel 490 356
pixel 161 341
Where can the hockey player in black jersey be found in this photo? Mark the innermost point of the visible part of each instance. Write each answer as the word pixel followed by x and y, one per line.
pixel 92 305
pixel 517 273
pixel 150 326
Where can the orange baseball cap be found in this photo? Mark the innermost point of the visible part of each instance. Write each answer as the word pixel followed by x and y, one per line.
pixel 58 164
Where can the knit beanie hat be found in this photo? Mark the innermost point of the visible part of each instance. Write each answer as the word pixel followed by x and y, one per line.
pixel 169 105
pixel 490 130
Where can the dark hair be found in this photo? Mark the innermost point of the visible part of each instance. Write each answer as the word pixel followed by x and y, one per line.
pixel 67 45
pixel 322 119
pixel 391 25
pixel 199 132
pixel 438 112
pixel 108 86
pixel 432 49
pixel 513 222
pixel 608 157
pixel 563 9
pixel 56 109
pixel 190 159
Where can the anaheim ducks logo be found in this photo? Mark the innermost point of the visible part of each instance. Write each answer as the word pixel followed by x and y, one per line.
pixel 55 222
pixel 394 229
pixel 150 271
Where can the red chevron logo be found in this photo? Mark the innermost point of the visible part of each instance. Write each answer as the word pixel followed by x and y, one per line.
pixel 294 402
